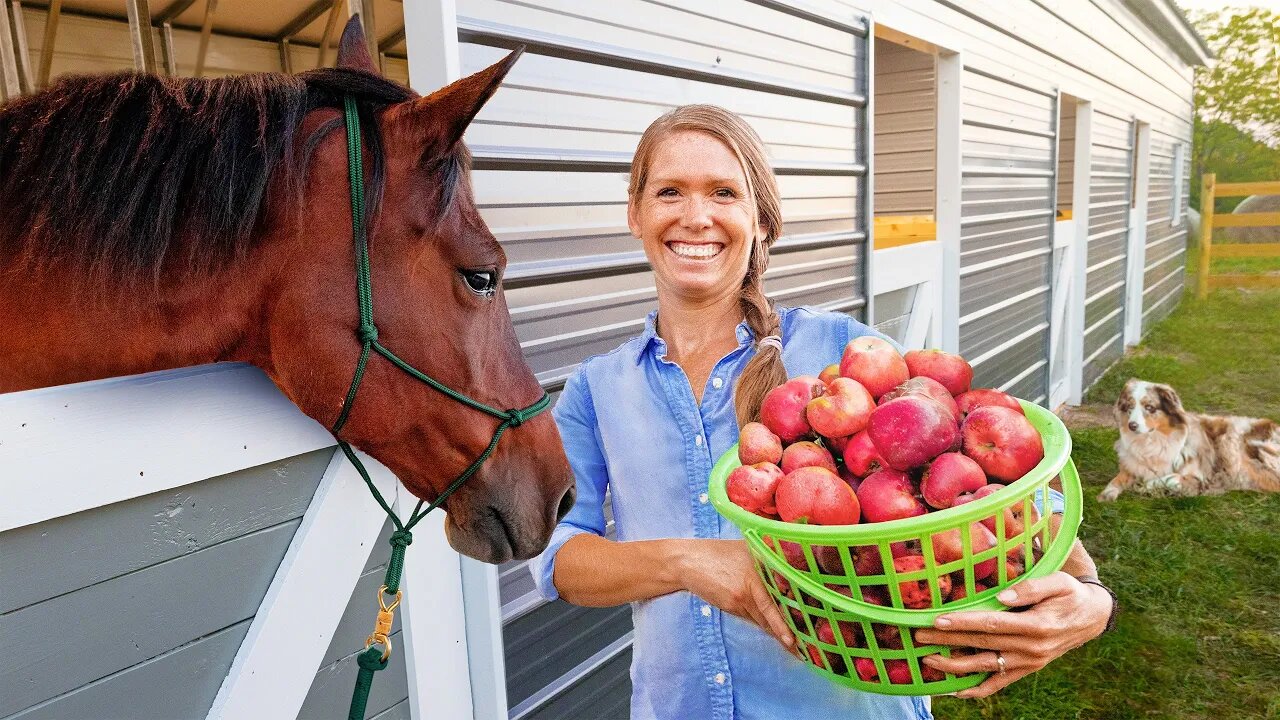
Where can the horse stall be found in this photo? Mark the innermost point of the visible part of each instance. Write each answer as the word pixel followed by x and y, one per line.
pixel 1007 181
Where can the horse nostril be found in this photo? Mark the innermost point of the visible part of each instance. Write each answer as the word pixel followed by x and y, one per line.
pixel 566 503
pixel 1133 426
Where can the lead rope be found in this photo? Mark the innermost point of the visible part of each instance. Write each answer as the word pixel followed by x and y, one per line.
pixel 374 659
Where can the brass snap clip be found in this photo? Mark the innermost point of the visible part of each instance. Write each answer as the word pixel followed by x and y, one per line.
pixel 382 628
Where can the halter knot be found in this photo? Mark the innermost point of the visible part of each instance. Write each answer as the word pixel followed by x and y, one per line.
pixel 515 418
pixel 368 333
pixel 401 539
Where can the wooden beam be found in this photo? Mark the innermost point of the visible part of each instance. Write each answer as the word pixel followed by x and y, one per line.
pixel 286 62
pixel 166 50
pixel 144 51
pixel 50 35
pixel 206 30
pixel 391 40
pixel 305 18
pixel 25 75
pixel 331 27
pixel 1206 234
pixel 10 78
pixel 1252 282
pixel 1252 219
pixel 1266 187
pixel 1247 250
pixel 172 12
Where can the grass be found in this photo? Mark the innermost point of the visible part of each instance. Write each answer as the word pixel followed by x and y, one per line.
pixel 1223 266
pixel 1198 578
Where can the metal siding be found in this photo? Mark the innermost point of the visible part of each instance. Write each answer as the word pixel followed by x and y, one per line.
pixel 1110 194
pixel 201 555
pixel 905 121
pixel 1166 243
pixel 551 152
pixel 1008 138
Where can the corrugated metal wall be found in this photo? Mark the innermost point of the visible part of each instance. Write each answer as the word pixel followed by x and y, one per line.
pixel 906 116
pixel 1164 272
pixel 1110 195
pixel 1007 207
pixel 551 153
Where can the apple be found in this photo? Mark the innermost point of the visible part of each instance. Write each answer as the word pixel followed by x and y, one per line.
pixel 875 363
pixel 866 669
pixel 948 476
pixel 957 587
pixel 783 408
pixel 835 444
pixel 861 457
pixel 924 387
pixel 1003 442
pixel 751 487
pixel 829 373
pixel 842 411
pixel 818 496
pixel 1013 521
pixel 916 593
pixel 985 397
pixel 888 495
pixel 757 444
pixel 806 454
pixel 887 636
pixel 791 552
pixel 911 430
pixel 948 546
pixel 952 371
pixel 899 671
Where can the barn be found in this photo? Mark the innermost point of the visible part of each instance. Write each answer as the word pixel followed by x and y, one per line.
pixel 1008 180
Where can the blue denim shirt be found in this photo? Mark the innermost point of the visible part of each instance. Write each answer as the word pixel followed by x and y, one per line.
pixel 630 424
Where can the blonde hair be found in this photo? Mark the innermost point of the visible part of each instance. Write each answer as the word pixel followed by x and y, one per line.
pixel 765 371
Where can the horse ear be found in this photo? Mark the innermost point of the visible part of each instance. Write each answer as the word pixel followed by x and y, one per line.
pixel 353 49
pixel 453 107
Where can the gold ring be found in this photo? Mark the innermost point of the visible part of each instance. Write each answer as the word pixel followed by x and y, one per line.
pixel 1000 662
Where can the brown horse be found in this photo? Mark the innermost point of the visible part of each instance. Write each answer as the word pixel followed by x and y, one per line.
pixel 150 223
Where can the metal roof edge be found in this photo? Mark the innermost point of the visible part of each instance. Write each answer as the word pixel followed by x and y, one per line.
pixel 1171 24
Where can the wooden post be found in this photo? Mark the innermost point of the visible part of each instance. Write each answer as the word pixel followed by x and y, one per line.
pixel 144 53
pixel 206 30
pixel 1206 233
pixel 50 34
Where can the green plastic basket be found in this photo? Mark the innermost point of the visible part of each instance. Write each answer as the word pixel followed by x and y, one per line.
pixel 826 556
pixel 881 636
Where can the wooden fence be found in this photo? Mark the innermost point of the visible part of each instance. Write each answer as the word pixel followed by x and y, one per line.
pixel 1208 222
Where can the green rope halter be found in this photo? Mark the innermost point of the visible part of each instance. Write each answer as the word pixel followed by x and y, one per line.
pixel 374 659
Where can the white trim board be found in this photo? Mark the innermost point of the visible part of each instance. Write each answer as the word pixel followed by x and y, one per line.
pixel 73 447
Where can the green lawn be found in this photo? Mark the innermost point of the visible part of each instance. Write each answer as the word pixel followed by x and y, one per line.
pixel 1198 578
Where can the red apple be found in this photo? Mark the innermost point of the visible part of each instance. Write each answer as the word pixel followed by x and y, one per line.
pixel 783 408
pixel 875 363
pixel 958 592
pixel 861 457
pixel 924 387
pixel 985 397
pixel 1012 520
pixel 806 454
pixel 888 636
pixel 842 411
pixel 916 593
pixel 757 444
pixel 948 476
pixel 835 444
pixel 829 373
pixel 888 495
pixel 911 430
pixel 791 552
pixel 1003 442
pixel 931 674
pixel 751 487
pixel 827 634
pixel 948 546
pixel 818 496
pixel 866 669
pixel 955 374
pixel 899 671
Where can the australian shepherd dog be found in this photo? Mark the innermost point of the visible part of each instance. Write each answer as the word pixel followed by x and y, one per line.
pixel 1164 449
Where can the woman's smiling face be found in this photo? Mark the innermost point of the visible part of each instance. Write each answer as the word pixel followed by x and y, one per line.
pixel 695 216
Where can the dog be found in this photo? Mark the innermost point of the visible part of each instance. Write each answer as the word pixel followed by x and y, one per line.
pixel 1165 450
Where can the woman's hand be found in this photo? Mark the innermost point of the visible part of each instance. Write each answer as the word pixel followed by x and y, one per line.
pixel 722 573
pixel 1062 614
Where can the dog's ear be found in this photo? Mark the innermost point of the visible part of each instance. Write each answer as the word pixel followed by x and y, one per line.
pixel 1171 404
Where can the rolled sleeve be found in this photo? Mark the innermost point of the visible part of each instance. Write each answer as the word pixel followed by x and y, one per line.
pixel 576 419
pixel 1057 502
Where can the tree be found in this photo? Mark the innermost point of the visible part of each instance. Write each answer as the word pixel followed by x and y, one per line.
pixel 1236 133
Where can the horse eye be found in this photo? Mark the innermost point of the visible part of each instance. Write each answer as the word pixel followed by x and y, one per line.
pixel 481 282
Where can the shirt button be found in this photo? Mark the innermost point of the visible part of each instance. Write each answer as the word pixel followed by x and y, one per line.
pixel 717 383
pixel 719 678
pixel 706 611
pixel 703 498
pixel 698 441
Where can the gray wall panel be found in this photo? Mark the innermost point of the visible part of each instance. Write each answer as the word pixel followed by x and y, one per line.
pixel 905 120
pixel 1110 195
pixel 544 645
pixel 330 694
pixel 603 694
pixel 1166 243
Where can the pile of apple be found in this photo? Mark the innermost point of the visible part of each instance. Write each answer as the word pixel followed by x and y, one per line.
pixel 880 437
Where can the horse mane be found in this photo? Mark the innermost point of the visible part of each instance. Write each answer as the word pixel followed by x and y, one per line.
pixel 116 173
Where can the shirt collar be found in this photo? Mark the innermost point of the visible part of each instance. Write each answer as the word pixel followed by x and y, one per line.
pixel 650 336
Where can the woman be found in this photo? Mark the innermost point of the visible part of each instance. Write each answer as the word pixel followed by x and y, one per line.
pixel 649 419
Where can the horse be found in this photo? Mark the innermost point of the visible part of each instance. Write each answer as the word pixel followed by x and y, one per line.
pixel 149 223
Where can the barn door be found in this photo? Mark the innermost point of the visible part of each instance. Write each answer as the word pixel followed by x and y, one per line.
pixel 1110 196
pixel 1006 246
